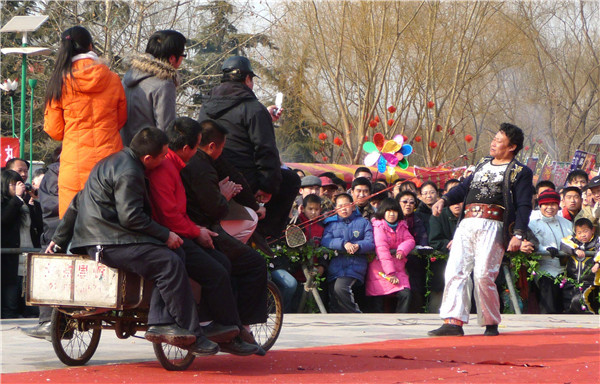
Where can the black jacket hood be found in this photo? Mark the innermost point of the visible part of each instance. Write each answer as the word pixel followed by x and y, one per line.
pixel 226 96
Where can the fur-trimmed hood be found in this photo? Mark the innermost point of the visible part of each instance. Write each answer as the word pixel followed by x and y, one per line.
pixel 144 66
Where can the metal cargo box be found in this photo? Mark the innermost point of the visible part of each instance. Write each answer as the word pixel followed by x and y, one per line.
pixel 79 281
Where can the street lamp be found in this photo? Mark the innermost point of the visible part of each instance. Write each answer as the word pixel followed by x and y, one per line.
pixel 24 25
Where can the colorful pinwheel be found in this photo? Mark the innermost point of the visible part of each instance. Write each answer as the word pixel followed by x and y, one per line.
pixel 387 154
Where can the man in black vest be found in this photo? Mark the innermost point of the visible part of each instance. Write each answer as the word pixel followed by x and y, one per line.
pixel 497 204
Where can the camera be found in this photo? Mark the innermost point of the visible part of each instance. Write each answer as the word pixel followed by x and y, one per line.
pixel 29 188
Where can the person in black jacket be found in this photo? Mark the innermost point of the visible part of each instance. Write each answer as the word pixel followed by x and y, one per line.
pixel 21 228
pixel 207 206
pixel 111 219
pixel 250 145
pixel 497 199
pixel 416 266
pixel 48 198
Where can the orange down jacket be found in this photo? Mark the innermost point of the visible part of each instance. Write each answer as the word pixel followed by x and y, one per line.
pixel 87 119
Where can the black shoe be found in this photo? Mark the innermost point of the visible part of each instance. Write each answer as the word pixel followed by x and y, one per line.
pixel 447 330
pixel 204 347
pixel 248 337
pixel 239 347
pixel 220 333
pixel 170 334
pixel 40 331
pixel 491 330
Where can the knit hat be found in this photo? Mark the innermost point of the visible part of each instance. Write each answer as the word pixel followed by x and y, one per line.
pixel 549 196
pixel 309 181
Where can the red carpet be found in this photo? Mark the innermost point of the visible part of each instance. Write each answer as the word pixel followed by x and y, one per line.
pixel 544 356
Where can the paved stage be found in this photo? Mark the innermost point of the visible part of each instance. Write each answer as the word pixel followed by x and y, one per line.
pixel 24 354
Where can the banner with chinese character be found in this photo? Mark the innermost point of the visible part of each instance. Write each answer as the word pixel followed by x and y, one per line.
pixel 578 160
pixel 560 172
pixel 546 172
pixel 589 163
pixel 10 149
pixel 532 163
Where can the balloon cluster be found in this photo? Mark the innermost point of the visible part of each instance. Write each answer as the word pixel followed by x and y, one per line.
pixel 387 154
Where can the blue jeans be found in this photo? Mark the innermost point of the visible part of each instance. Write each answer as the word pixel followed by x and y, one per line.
pixel 287 285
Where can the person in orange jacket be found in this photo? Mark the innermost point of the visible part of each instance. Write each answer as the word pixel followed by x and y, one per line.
pixel 85 109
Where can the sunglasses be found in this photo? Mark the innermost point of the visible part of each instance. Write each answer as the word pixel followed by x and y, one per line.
pixel 407 202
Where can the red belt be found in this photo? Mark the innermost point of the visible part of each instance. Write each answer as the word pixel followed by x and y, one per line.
pixel 485 211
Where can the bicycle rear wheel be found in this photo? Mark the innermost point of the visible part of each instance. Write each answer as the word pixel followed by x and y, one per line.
pixel 74 340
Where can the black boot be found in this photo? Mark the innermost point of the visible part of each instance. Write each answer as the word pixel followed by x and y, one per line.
pixel 447 330
pixel 239 347
pixel 491 330
pixel 170 334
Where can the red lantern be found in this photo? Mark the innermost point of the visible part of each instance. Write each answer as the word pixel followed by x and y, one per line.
pixel 404 138
pixel 451 132
pixel 325 158
pixel 540 141
pixel 527 147
pixel 316 153
pixel 391 122
pixel 468 138
pixel 377 119
pixel 324 124
pixel 418 139
pixel 471 149
pixel 438 128
pixel 366 138
pixel 341 155
pixel 322 136
pixel 430 104
pixel 372 123
pixel 432 144
pixel 391 109
pixel 337 141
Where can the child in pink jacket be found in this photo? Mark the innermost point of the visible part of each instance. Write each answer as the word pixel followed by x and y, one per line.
pixel 393 242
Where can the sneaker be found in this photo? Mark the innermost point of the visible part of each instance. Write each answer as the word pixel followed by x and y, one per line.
pixel 40 331
pixel 170 334
pixel 239 347
pixel 204 347
pixel 447 330
pixel 491 330
pixel 220 333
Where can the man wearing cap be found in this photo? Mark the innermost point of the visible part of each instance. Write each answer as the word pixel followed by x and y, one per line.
pixel 250 145
pixel 571 197
pixel 497 200
pixel 549 229
pixel 592 212
pixel 310 185
pixel 328 192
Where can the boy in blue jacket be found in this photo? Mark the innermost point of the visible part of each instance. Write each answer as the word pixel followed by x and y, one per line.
pixel 351 236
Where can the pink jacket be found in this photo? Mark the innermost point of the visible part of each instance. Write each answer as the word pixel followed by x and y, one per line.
pixel 385 239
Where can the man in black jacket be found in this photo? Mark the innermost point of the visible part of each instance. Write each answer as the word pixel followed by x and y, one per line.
pixel 111 218
pixel 207 205
pixel 251 146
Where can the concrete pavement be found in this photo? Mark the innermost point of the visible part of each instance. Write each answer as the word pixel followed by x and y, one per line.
pixel 21 353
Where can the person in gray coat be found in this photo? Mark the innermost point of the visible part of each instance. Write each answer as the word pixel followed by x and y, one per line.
pixel 150 84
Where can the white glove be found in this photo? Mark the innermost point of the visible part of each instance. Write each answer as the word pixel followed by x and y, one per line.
pixel 596 210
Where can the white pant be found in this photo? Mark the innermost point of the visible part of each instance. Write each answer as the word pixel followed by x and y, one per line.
pixel 477 247
pixel 241 229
